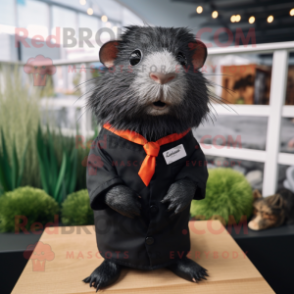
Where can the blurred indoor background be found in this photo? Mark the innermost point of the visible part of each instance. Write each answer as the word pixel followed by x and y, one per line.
pixel 239 74
pixel 49 57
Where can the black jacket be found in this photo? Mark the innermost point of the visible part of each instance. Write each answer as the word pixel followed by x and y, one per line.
pixel 154 239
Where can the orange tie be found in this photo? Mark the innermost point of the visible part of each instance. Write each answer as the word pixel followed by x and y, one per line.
pixel 147 169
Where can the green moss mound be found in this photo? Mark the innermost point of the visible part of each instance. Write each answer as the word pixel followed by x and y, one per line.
pixel 26 204
pixel 228 197
pixel 76 209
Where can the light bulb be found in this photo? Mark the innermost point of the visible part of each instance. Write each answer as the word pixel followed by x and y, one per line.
pixel 214 14
pixel 270 19
pixel 90 11
pixel 104 18
pixel 251 19
pixel 199 9
pixel 292 12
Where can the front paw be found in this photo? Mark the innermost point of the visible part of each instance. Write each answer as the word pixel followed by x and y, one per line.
pixel 104 275
pixel 179 195
pixel 124 201
pixel 189 270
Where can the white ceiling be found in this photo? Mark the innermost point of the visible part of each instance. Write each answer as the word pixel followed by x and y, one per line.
pixel 165 13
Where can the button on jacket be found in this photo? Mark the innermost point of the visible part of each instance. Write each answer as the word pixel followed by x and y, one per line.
pixel 153 239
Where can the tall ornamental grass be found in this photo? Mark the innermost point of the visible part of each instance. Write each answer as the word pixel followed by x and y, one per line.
pixel 19 119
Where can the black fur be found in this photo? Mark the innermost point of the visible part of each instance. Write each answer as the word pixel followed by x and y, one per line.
pixel 114 102
pixel 179 195
pixel 108 273
pixel 189 270
pixel 104 275
pixel 123 200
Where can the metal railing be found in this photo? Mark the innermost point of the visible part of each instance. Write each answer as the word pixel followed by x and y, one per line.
pixel 274 111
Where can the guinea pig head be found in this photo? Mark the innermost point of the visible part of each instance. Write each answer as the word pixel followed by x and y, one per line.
pixel 152 83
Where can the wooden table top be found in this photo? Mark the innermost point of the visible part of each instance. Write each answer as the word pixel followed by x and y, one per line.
pixel 66 255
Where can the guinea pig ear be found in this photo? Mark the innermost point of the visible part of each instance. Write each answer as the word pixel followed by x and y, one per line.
pixel 108 53
pixel 199 54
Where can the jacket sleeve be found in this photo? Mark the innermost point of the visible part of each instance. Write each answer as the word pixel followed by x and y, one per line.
pixel 101 175
pixel 195 170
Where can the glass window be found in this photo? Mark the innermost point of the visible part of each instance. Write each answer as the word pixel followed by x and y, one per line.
pixel 129 18
pixel 111 9
pixel 287 135
pixel 234 132
pixel 7 13
pixel 286 177
pixel 240 79
pixel 34 16
pixel 252 170
pixel 63 18
pixel 91 22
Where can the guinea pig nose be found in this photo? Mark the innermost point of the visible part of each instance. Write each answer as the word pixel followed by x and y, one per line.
pixel 162 78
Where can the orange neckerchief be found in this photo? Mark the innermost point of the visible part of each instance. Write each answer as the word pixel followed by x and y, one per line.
pixel 147 169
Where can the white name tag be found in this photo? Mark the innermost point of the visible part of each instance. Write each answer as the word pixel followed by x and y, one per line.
pixel 174 154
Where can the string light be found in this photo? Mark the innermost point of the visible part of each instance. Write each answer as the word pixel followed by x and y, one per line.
pixel 235 18
pixel 104 18
pixel 199 9
pixel 90 11
pixel 214 14
pixel 251 19
pixel 292 12
pixel 270 19
pixel 238 17
pixel 83 2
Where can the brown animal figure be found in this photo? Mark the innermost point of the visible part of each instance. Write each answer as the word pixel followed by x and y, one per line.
pixel 272 211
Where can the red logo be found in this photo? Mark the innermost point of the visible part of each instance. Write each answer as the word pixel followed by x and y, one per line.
pixel 40 67
pixel 41 253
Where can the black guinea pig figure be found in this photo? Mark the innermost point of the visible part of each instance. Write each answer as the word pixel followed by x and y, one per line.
pixel 146 167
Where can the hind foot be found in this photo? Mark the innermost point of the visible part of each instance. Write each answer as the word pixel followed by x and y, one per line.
pixel 104 275
pixel 189 270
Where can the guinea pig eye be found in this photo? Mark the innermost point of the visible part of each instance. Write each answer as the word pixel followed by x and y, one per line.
pixel 135 57
pixel 182 59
